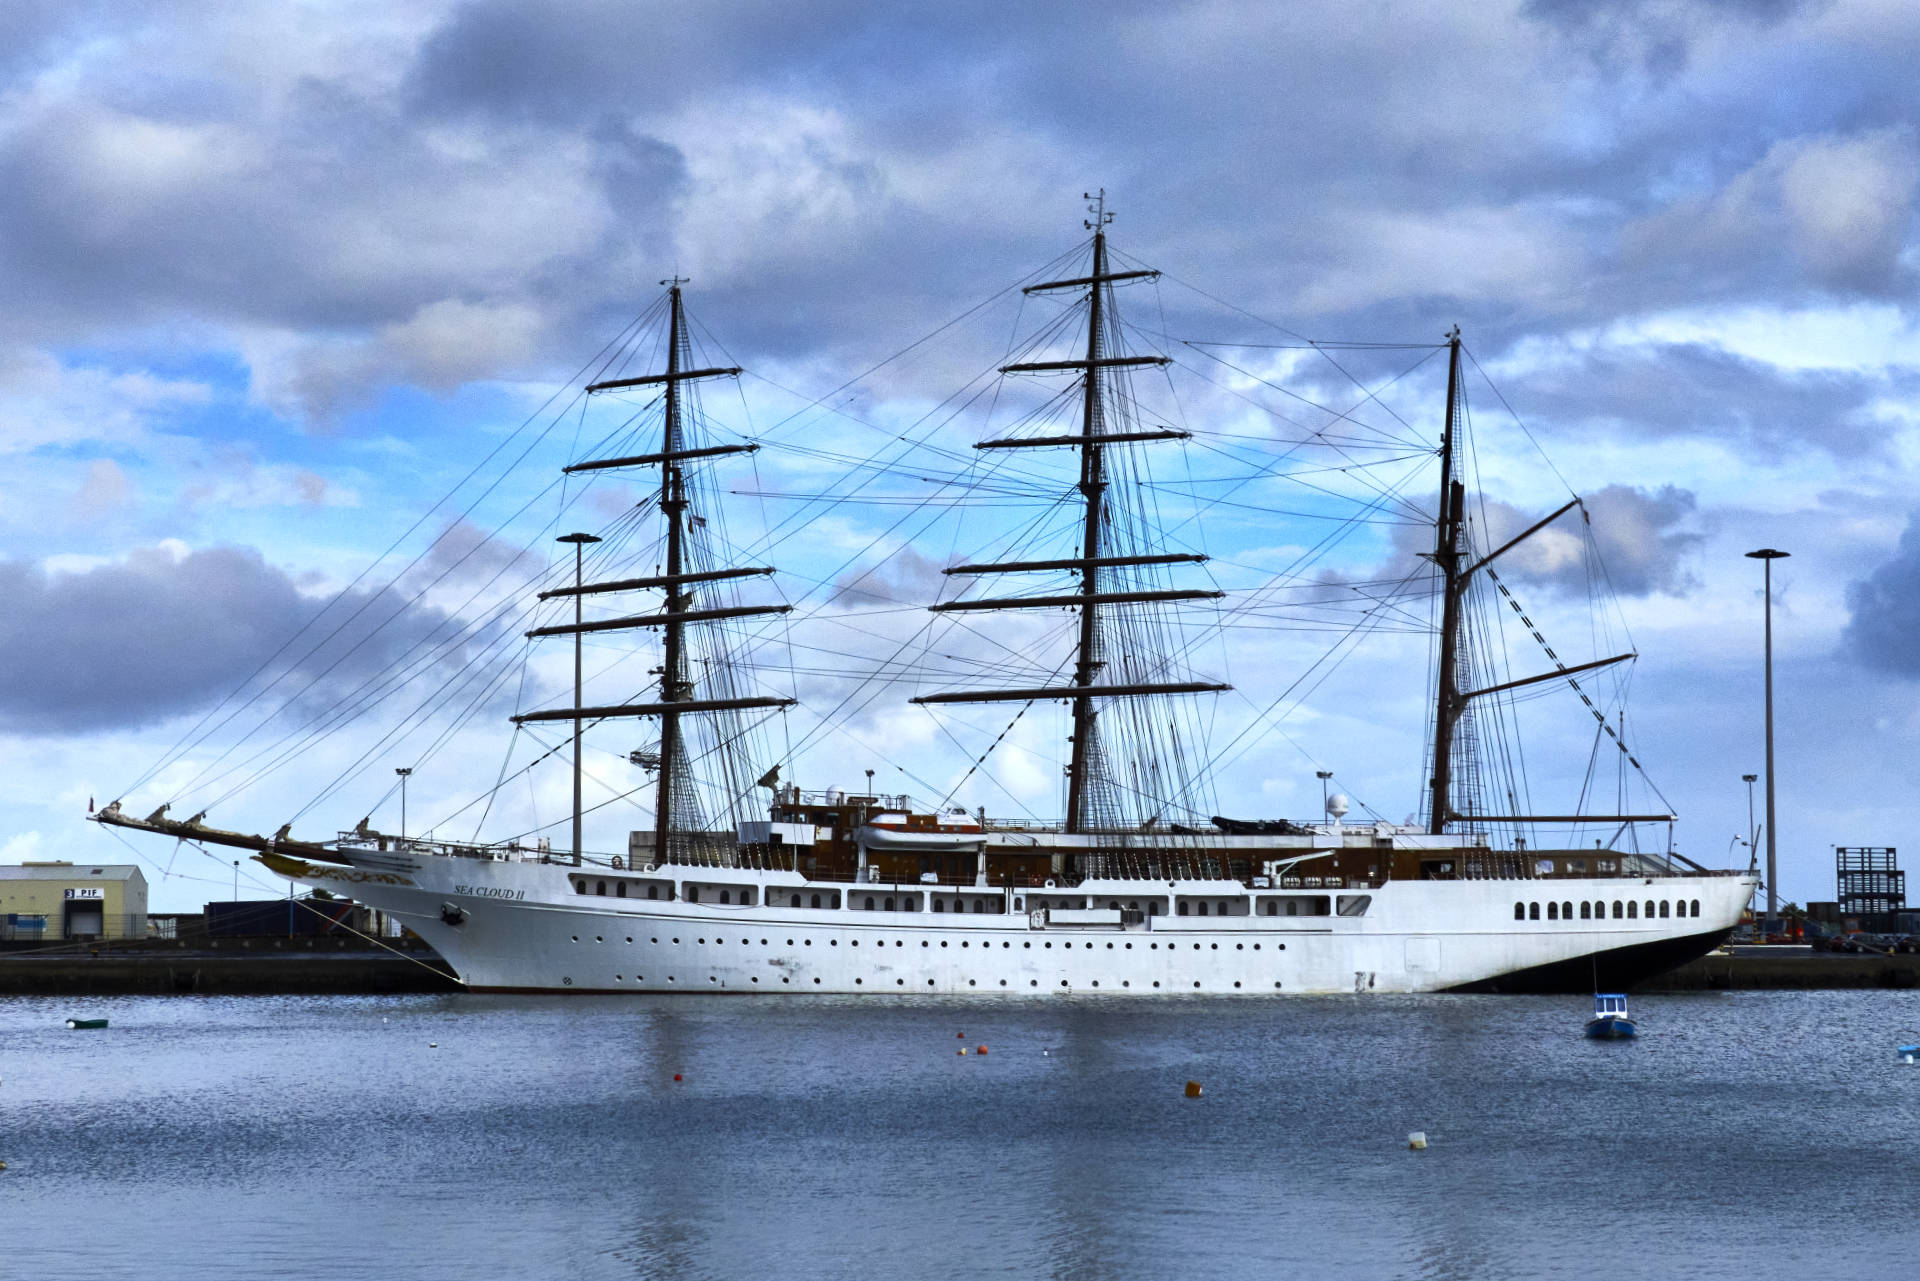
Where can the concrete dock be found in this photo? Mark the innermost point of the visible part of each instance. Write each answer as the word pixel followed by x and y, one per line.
pixel 339 968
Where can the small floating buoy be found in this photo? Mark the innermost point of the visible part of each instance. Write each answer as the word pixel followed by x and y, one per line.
pixel 960 1036
pixel 433 1045
pixel 962 1051
pixel 1193 1089
pixel 980 1050
pixel 1417 1141
pixel 676 1076
pixel 86 1023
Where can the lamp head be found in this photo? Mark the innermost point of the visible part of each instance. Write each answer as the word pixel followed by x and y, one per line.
pixel 577 538
pixel 1768 553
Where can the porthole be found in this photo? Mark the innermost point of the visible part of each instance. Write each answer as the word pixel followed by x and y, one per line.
pixel 923 942
pixel 1033 982
pixel 1109 947
pixel 853 943
pixel 900 982
pixel 786 980
pixel 1049 946
pixel 943 942
pixel 929 982
pixel 1196 983
pixel 1096 982
pixel 969 982
pixel 1063 982
pixel 1129 947
pixel 576 938
pixel 963 942
pixel 1124 983
pixel 1256 947
pixel 1003 982
pixel 599 938
pixel 856 982
pixel 808 942
pixel 1156 982
pixel 1236 982
pixel 701 941
pixel 629 938
pixel 833 942
pixel 1239 947
pixel 1026 945
pixel 756 980
pixel 816 982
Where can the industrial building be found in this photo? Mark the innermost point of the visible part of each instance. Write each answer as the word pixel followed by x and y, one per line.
pixel 56 901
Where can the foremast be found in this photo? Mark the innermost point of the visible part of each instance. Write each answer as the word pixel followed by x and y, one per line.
pixel 1446 558
pixel 675 798
pixel 1087 808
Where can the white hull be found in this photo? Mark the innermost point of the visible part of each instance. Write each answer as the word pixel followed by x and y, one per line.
pixel 522 926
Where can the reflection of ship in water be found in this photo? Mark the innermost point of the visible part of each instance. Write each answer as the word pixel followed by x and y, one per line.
pixel 1133 890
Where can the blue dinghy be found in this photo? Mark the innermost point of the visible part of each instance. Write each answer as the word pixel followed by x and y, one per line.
pixel 1610 1021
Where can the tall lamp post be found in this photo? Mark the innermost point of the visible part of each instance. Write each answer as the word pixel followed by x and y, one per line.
pixel 579 542
pixel 403 773
pixel 1323 775
pixel 1766 556
pixel 1753 837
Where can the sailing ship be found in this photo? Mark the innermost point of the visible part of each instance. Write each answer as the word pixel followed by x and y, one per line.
pixel 832 891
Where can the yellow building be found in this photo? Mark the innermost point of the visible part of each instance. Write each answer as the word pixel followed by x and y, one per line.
pixel 72 900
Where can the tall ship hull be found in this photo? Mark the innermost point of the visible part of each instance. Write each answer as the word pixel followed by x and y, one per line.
pixel 524 927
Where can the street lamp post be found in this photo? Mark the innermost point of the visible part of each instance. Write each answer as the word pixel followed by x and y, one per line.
pixel 1323 775
pixel 403 773
pixel 1766 556
pixel 1753 837
pixel 579 542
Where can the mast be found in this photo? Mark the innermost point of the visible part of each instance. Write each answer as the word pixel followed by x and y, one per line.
pixel 674 793
pixel 579 542
pixel 1085 765
pixel 1446 557
pixel 673 504
pixel 1093 489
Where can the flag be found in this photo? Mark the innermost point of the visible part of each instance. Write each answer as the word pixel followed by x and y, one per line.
pixel 698 522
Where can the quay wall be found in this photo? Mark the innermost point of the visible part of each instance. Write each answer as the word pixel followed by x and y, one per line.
pixel 321 971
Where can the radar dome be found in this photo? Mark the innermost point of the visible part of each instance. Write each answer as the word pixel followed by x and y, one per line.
pixel 1337 804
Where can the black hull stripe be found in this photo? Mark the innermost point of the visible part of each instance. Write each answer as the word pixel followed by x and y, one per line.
pixel 1618 970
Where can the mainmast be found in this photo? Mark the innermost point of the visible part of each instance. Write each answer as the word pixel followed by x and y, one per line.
pixel 1086 767
pixel 675 796
pixel 1446 558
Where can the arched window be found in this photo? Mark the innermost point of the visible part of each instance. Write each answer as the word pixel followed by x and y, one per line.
pixel 600 888
pixel 1533 911
pixel 1553 911
pixel 1616 909
pixel 1566 911
pixel 888 905
pixel 579 887
pixel 620 888
pixel 693 893
pixel 1203 907
pixel 1182 909
pixel 653 892
pixel 1649 909
pixel 816 900
pixel 1696 907
pixel 1115 905
pixel 725 897
pixel 1586 911
pixel 796 901
pixel 1273 909
pixel 979 906
pixel 1663 909
pixel 1133 905
pixel 1519 911
pixel 1293 907
pixel 869 902
pixel 1633 910
pixel 939 905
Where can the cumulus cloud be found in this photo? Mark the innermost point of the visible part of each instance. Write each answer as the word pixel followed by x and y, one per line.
pixel 1883 627
pixel 1642 540
pixel 167 631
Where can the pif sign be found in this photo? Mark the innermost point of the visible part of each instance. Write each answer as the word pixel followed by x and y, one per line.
pixel 89 892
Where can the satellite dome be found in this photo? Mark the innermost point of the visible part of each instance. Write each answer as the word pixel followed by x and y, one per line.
pixel 1337 804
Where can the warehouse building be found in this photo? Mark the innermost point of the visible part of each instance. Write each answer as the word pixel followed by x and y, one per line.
pixel 56 901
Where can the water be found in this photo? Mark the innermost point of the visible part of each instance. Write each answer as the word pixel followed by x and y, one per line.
pixel 1743 1134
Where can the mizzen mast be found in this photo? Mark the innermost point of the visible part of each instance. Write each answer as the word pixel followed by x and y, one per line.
pixel 675 798
pixel 1086 769
pixel 1446 558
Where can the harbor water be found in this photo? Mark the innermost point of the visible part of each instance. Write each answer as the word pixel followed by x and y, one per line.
pixel 739 1137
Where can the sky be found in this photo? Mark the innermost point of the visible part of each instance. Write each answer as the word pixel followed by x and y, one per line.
pixel 285 281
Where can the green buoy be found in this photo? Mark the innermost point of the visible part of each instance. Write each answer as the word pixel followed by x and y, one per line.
pixel 86 1023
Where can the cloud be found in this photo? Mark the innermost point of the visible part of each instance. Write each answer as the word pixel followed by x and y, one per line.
pixel 1642 540
pixel 166 631
pixel 1883 627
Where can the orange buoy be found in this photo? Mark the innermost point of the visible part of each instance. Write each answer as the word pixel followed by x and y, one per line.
pixel 1193 1089
pixel 676 1076
pixel 981 1050
pixel 960 1036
